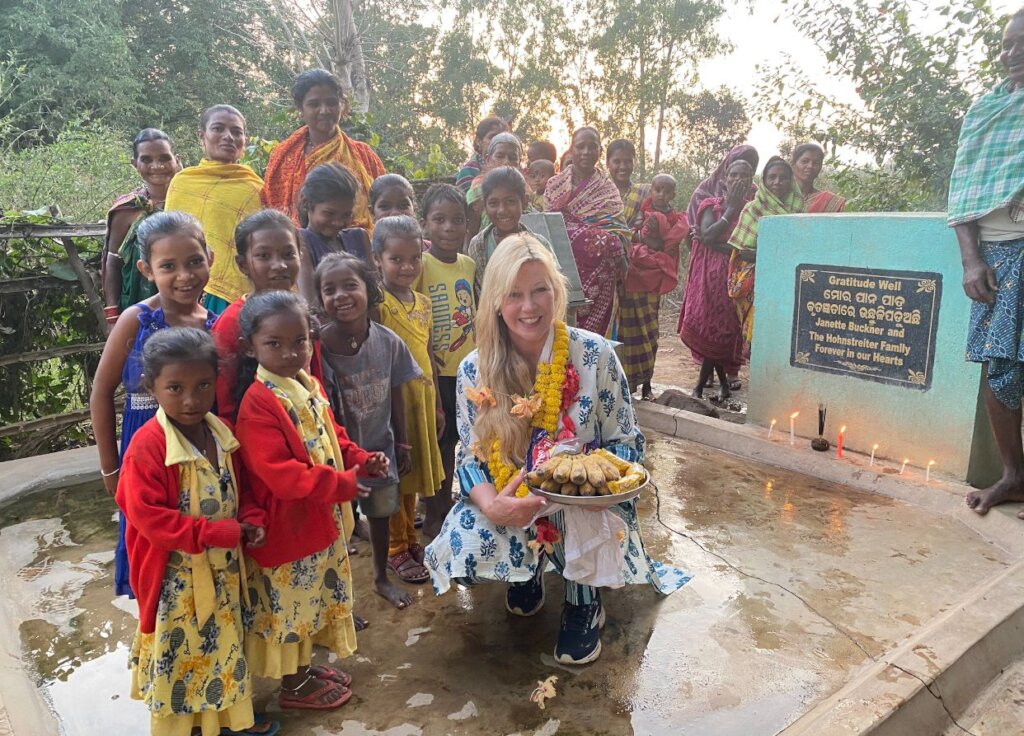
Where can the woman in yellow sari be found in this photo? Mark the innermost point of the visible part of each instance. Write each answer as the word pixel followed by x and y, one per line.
pixel 322 102
pixel 220 193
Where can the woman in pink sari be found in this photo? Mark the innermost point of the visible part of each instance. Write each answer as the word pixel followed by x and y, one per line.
pixel 590 203
pixel 807 161
pixel 708 323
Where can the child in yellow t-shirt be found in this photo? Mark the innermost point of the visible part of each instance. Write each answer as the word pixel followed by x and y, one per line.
pixel 449 281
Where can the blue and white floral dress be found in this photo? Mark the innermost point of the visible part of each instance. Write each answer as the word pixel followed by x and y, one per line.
pixel 470 548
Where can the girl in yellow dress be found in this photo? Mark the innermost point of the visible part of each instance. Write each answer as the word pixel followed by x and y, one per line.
pixel 398 252
pixel 302 469
pixel 178 492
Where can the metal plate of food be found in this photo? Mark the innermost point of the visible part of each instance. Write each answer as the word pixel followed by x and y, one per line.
pixel 593 501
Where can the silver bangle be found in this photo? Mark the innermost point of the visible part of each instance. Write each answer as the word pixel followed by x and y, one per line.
pixel 115 471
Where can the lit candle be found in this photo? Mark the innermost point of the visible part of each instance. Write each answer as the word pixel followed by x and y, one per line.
pixel 839 444
pixel 904 466
pixel 792 427
pixel 928 471
pixel 873 448
pixel 770 428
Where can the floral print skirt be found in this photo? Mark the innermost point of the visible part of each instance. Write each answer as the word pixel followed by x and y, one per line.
pixel 471 547
pixel 299 604
pixel 193 676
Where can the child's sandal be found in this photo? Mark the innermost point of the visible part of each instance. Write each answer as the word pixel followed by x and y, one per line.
pixel 417 552
pixel 312 701
pixel 327 673
pixel 403 565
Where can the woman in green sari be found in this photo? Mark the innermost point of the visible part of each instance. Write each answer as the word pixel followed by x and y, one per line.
pixel 777 195
pixel 123 285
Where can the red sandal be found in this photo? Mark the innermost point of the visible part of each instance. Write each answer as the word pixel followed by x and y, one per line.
pixel 311 701
pixel 333 674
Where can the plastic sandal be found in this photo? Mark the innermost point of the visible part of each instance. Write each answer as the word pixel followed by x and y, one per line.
pixel 309 702
pixel 326 672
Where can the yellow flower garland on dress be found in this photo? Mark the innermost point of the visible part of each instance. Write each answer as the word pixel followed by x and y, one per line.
pixel 548 387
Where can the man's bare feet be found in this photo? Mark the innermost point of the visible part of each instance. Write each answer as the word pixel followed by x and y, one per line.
pixel 1007 490
pixel 392 593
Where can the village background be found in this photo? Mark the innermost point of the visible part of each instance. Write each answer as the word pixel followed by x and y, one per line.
pixel 882 86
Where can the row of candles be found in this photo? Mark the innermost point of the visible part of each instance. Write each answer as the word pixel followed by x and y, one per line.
pixel 839 444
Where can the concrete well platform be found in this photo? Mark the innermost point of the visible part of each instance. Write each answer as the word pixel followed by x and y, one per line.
pixel 802 588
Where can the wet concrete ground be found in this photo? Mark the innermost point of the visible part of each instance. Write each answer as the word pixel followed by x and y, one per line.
pixel 797 584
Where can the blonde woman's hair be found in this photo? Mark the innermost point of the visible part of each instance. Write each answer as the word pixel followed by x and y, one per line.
pixel 501 367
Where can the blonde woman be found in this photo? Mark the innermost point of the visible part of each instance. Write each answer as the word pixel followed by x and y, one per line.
pixel 530 381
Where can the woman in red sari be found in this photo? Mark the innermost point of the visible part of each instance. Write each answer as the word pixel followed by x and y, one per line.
pixel 807 161
pixel 322 102
pixel 590 203
pixel 708 323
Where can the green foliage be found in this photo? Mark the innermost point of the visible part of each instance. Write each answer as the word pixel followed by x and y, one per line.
pixel 80 172
pixel 436 166
pixel 706 126
pixel 647 53
pixel 39 319
pixel 76 62
pixel 912 86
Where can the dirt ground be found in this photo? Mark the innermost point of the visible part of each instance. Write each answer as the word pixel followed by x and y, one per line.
pixel 674 366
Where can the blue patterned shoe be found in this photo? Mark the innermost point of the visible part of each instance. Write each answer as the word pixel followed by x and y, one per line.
pixel 526 599
pixel 579 639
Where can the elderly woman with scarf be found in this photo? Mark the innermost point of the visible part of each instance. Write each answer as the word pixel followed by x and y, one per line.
pixel 503 149
pixel 776 196
pixel 708 323
pixel 986 207
pixel 592 207
pixel 715 185
pixel 322 102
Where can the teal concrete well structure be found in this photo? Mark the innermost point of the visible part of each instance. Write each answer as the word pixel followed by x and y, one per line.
pixel 936 413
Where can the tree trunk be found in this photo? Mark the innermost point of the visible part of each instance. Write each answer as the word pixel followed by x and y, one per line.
pixel 642 124
pixel 348 55
pixel 664 101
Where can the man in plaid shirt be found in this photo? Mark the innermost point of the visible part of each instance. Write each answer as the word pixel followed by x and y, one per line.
pixel 986 208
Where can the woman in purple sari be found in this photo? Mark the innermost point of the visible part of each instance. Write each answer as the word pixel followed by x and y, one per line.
pixel 702 326
pixel 592 207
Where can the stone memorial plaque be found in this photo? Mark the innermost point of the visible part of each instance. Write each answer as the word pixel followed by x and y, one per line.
pixel 551 227
pixel 872 324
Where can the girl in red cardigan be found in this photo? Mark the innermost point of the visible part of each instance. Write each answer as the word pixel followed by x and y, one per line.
pixel 302 470
pixel 185 525
pixel 268 253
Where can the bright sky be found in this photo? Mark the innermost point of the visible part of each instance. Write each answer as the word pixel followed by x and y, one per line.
pixel 758 37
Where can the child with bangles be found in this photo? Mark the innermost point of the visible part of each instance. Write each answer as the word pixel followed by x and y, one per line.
pixel 302 469
pixel 365 365
pixel 448 280
pixel 173 256
pixel 186 521
pixel 398 250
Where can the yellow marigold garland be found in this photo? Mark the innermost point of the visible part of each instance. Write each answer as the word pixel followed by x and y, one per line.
pixel 548 387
